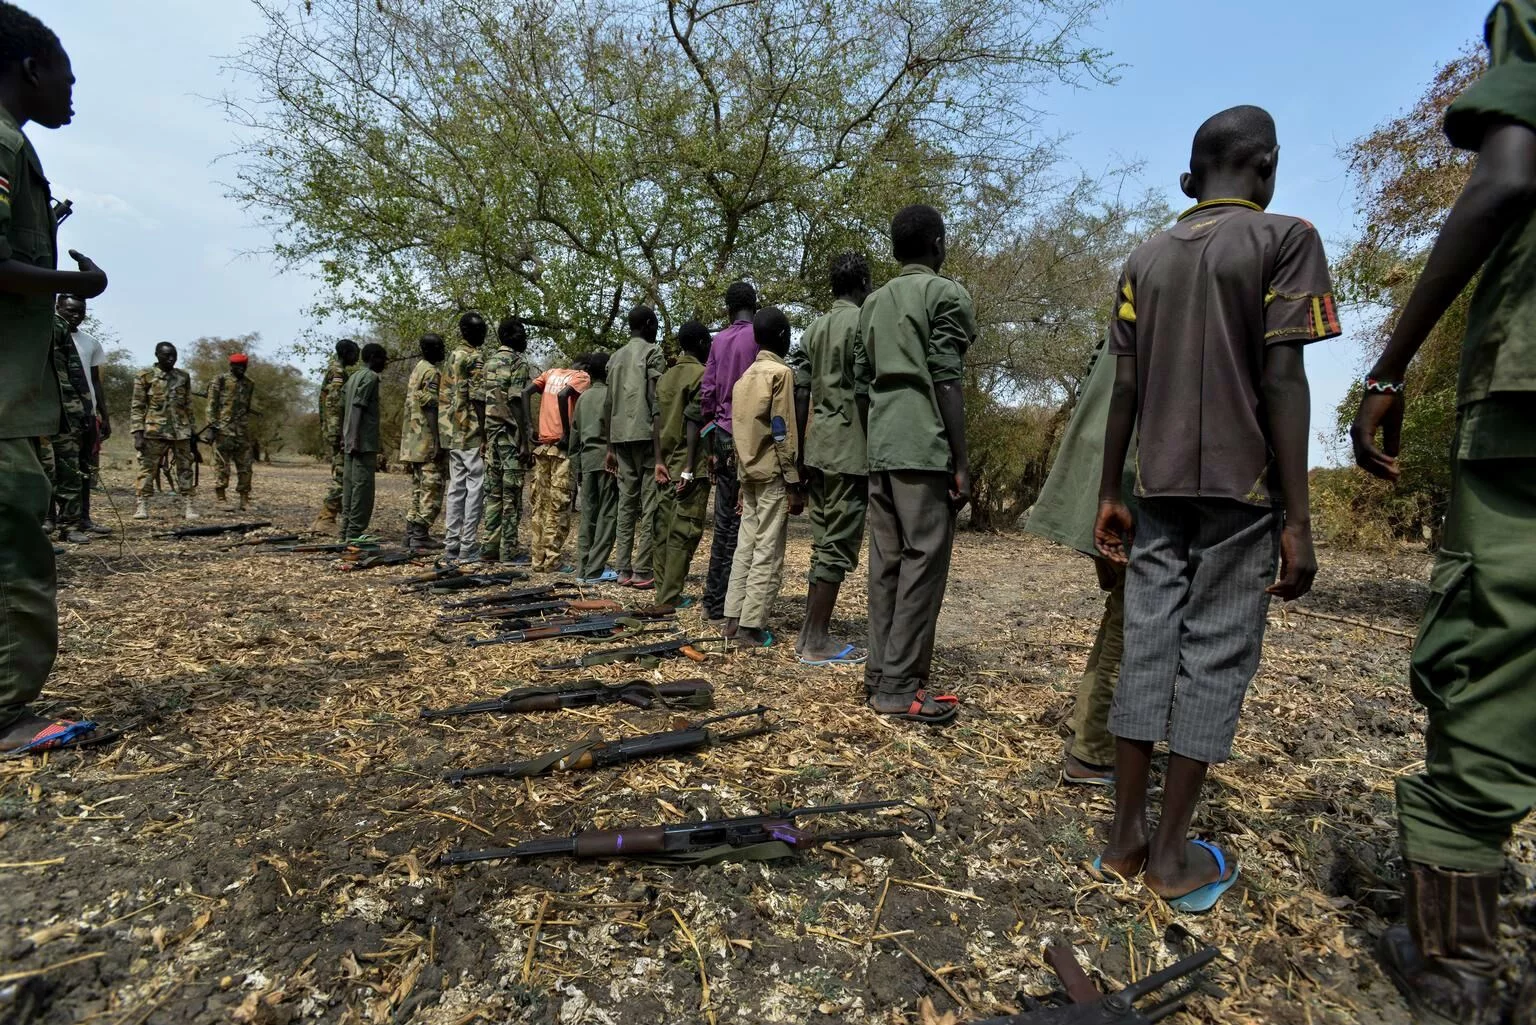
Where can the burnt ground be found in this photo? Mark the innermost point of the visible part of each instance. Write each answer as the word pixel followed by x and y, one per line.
pixel 262 848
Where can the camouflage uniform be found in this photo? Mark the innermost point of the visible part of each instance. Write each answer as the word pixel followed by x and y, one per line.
pixel 331 414
pixel 419 447
pixel 162 410
pixel 229 414
pixel 461 387
pixel 503 379
pixel 75 391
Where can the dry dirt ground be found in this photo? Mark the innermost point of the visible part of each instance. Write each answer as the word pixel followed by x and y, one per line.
pixel 263 849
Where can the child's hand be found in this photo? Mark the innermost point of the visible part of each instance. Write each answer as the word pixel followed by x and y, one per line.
pixel 662 476
pixel 796 501
pixel 1298 564
pixel 1383 413
pixel 960 490
pixel 1113 531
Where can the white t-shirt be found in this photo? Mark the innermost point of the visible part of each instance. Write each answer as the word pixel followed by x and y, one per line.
pixel 91 355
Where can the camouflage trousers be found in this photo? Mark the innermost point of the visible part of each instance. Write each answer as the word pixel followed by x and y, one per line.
pixel 338 466
pixel 234 451
pixel 503 494
pixel 427 490
pixel 551 506
pixel 61 458
pixel 149 463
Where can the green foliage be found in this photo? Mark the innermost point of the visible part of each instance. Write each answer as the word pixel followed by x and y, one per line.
pixel 284 394
pixel 117 382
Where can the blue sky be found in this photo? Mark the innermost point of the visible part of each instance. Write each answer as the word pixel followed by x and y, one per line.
pixel 142 160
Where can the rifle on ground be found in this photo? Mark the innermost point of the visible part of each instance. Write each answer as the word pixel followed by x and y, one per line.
pixel 373 560
pixel 256 542
pixel 589 626
pixel 469 582
pixel 597 753
pixel 357 545
pixel 214 530
pixel 507 597
pixel 642 653
pixel 588 694
pixel 519 612
pixel 1087 1006
pixel 756 838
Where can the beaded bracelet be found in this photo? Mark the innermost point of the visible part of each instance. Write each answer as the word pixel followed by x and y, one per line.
pixel 1378 387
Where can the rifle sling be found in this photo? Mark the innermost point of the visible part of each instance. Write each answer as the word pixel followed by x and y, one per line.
pixel 768 850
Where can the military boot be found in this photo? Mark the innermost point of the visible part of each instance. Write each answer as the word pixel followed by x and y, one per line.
pixel 1446 958
pixel 74 535
pixel 325 521
pixel 410 536
pixel 220 495
pixel 141 510
pixel 245 503
pixel 187 511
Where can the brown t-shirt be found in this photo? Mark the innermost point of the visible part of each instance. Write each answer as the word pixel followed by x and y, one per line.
pixel 1198 306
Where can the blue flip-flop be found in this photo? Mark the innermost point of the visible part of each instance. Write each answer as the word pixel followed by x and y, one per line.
pixel 56 736
pixel 845 657
pixel 1199 901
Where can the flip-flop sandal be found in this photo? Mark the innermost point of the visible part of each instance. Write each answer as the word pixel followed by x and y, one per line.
pixel 1201 900
pixel 643 583
pixel 1103 779
pixel 846 657
pixel 58 735
pixel 1107 874
pixel 914 712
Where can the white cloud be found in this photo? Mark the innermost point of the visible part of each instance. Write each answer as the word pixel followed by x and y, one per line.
pixel 103 204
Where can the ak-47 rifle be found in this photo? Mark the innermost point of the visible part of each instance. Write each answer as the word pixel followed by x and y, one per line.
pixel 256 542
pixel 214 530
pixel 757 838
pixel 471 581
pixel 597 753
pixel 1087 1006
pixel 507 597
pixel 373 560
pixel 356 545
pixel 589 626
pixel 520 612
pixel 588 694
pixel 678 646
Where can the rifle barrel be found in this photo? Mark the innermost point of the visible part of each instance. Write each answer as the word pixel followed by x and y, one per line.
pixel 531 849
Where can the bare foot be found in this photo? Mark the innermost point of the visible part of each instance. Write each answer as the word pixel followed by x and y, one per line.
pixel 818 650
pixel 731 628
pixel 753 636
pixel 20 733
pixel 1195 868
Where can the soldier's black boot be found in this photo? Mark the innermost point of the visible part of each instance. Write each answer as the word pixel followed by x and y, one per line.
pixel 1446 958
pixel 411 536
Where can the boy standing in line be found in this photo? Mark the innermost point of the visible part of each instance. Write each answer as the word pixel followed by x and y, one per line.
pixel 908 361
pixel 462 401
pixel 552 478
pixel 598 490
pixel 1210 322
pixel 767 444
pixel 333 415
pixel 633 444
pixel 730 354
pixel 684 502
pixel 1474 663
pixel 421 446
pixel 502 381
pixel 360 441
pixel 836 459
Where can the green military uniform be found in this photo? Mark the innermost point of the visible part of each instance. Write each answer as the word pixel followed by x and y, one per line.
pixel 630 415
pixel 419 445
pixel 464 437
pixel 679 520
pixel 834 444
pixel 502 380
pixel 1474 663
pixel 1064 513
pixel 598 488
pixel 229 415
pixel 69 482
pixel 29 410
pixel 332 416
pixel 360 403
pixel 162 410
pixel 913 334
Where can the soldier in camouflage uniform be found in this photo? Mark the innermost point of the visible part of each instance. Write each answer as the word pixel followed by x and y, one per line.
pixel 503 379
pixel 420 444
pixel 331 417
pixel 229 418
pixel 68 482
pixel 161 419
pixel 464 438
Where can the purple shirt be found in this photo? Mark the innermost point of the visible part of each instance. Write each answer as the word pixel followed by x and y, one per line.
pixel 730 354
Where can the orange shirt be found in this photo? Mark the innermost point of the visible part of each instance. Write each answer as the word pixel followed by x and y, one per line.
pixel 551 383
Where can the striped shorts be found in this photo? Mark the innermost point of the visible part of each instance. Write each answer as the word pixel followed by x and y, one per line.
pixel 1195 609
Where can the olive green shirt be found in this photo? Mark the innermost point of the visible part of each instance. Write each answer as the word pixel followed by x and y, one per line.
pixel 913 333
pixel 834 437
pixel 1499 351
pixel 630 370
pixel 589 429
pixel 29 387
pixel 678 396
pixel 360 402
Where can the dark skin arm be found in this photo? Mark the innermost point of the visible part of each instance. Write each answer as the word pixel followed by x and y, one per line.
pixel 17 278
pixel 691 432
pixel 1114 529
pixel 101 406
pixel 1288 406
pixel 525 406
pixel 566 398
pixel 802 417
pixel 520 412
pixel 1500 192
pixel 951 398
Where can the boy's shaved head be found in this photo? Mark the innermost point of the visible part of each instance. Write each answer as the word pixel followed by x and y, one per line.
pixel 850 272
pixel 917 231
pixel 694 337
pixel 23 36
pixel 770 329
pixel 1234 139
pixel 740 296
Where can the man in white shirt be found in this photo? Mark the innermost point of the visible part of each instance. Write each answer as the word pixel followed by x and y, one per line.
pixel 93 357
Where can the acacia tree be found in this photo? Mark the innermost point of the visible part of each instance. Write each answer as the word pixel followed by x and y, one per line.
pixel 566 159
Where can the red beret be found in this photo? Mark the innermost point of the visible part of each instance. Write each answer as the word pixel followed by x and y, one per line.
pixel 239 357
